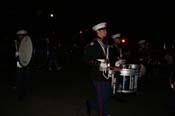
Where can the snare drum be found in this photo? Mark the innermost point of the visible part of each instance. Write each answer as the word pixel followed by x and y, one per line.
pixel 127 82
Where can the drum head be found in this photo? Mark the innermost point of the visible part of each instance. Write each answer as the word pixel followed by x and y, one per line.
pixel 25 51
pixel 127 72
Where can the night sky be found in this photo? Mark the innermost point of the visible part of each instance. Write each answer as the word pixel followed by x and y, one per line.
pixel 35 15
pixel 153 22
pixel 145 19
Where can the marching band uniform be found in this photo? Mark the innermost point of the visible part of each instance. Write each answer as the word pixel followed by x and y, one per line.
pixel 94 51
pixel 116 50
pixel 142 61
pixel 115 57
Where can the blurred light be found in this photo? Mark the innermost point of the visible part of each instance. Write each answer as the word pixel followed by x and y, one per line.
pixel 123 40
pixel 164 46
pixel 51 15
pixel 81 32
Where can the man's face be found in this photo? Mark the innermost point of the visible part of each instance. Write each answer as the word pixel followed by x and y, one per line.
pixel 102 33
pixel 142 46
pixel 117 40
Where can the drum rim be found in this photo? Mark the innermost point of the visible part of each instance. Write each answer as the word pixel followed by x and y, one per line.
pixel 20 51
pixel 126 72
pixel 126 91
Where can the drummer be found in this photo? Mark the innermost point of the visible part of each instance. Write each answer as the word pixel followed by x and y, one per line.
pixel 22 73
pixel 116 50
pixel 116 56
pixel 96 50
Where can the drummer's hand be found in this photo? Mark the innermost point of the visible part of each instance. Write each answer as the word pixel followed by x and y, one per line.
pixel 18 65
pixel 103 65
pixel 118 63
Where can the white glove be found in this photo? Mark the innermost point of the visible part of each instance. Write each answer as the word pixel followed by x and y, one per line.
pixel 103 66
pixel 118 63
pixel 18 65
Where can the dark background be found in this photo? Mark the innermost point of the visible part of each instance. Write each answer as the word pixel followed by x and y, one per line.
pixel 152 21
pixel 63 92
pixel 148 19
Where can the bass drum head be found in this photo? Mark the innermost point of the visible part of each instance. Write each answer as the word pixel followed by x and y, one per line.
pixel 25 51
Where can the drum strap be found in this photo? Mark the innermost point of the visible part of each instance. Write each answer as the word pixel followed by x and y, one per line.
pixel 102 45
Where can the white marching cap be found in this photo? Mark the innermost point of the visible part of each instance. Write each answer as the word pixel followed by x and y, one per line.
pixel 141 41
pixel 21 32
pixel 116 35
pixel 99 26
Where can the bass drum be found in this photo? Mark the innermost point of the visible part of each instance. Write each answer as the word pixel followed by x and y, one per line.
pixel 33 53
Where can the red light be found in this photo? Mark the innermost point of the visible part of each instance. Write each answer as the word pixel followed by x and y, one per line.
pixel 123 40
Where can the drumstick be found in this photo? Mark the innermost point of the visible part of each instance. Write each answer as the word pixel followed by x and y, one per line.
pixel 113 67
pixel 114 89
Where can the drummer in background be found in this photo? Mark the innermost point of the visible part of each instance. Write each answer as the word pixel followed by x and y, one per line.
pixel 142 57
pixel 54 62
pixel 116 59
pixel 116 50
pixel 94 51
pixel 22 73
